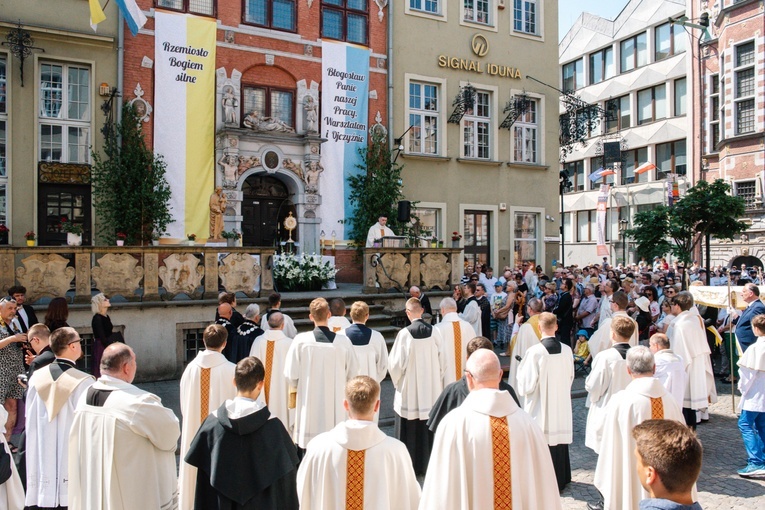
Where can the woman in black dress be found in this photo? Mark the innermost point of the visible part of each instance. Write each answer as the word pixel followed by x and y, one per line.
pixel 57 314
pixel 102 330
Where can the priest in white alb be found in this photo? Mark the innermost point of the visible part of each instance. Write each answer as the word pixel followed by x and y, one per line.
pixel 318 365
pixel 472 311
pixel 643 399
pixel 670 368
pixel 355 465
pixel 378 231
pixel 488 453
pixel 205 384
pixel 607 377
pixel 689 341
pixel 54 392
pixel 601 339
pixel 123 442
pixel 544 380
pixel 337 321
pixel 368 345
pixel 416 368
pixel 528 335
pixel 455 335
pixel 271 349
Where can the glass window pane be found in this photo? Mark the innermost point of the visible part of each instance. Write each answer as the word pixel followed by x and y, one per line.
pixel 662 42
pixel 170 4
pixel 679 38
pixel 429 221
pixel 201 6
pixel 745 54
pixel 50 143
pixel 332 24
pixel 596 67
pixel 255 101
pixel 2 86
pixel 339 3
pixel 430 134
pixel 663 160
pixel 78 145
pixel 680 157
pixel 660 99
pixel 51 90
pixel 645 110
pixel 642 50
pixel 359 5
pixel 415 95
pixel 627 55
pixel 3 138
pixel 281 106
pixel 415 144
pixel 680 96
pixel 583 226
pixel 78 93
pixel 284 14
pixel 624 111
pixel 256 11
pixel 357 28
pixel 610 69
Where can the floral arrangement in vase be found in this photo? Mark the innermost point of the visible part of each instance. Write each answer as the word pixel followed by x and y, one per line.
pixel 121 237
pixel 302 272
pixel 71 227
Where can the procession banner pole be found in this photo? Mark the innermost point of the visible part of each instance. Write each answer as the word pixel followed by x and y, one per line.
pixel 731 341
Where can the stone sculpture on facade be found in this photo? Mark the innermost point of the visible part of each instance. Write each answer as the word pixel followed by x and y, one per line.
pixel 218 203
pixel 230 104
pixel 239 272
pixel 397 268
pixel 118 273
pixel 230 164
pixel 312 172
pixel 228 91
pixel 182 274
pixel 247 162
pixel 293 166
pixel 258 123
pixel 311 114
pixel 45 275
pixel 435 270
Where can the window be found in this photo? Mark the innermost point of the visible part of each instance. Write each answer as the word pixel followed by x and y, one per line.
pixel 525 16
pixel 713 135
pixel 64 116
pixel 476 11
pixel 3 140
pixel 573 76
pixel 747 191
pixel 477 237
pixel 583 221
pixel 276 14
pixel 345 20
pixel 525 238
pixel 423 117
pixel 430 6
pixel 476 125
pixel 601 65
pixel 525 134
pixel 632 160
pixel 634 53
pixel 595 165
pixel 430 221
pixel 618 114
pixel 670 158
pixel 669 39
pixel 575 171
pixel 203 7
pixel 268 102
pixel 652 104
pixel 744 88
pixel 681 96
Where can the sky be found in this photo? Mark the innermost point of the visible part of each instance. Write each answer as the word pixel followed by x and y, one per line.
pixel 569 11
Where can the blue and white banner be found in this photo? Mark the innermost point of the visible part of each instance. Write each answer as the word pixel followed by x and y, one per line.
pixel 344 116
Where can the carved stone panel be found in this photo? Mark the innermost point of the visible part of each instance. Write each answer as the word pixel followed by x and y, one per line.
pixel 45 275
pixel 181 274
pixel 395 273
pixel 239 272
pixel 118 273
pixel 435 270
pixel 7 275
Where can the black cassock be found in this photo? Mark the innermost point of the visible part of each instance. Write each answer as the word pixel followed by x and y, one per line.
pixel 247 463
pixel 452 397
pixel 241 343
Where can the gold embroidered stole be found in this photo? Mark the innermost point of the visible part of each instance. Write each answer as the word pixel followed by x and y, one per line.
pixel 500 445
pixel 336 329
pixel 354 488
pixel 657 409
pixel 457 350
pixel 204 394
pixel 269 364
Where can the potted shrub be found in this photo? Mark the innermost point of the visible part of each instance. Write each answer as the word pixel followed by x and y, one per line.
pixel 73 231
pixel 3 234
pixel 121 236
pixel 456 236
pixel 191 239
pixel 154 239
pixel 440 243
pixel 434 242
pixel 30 237
pixel 232 238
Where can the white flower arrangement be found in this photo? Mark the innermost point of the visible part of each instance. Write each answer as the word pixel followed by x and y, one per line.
pixel 302 272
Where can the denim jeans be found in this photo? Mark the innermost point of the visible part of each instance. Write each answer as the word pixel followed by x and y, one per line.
pixel 752 427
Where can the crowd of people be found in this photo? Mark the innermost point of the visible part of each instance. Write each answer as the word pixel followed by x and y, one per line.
pixel 272 418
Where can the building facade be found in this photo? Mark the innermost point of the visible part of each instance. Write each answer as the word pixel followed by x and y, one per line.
pixel 476 126
pixel 636 70
pixel 50 113
pixel 730 80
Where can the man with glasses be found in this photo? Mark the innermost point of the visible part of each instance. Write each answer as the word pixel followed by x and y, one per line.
pixel 54 392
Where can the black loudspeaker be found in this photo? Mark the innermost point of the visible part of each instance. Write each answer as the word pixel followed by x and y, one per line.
pixel 404 210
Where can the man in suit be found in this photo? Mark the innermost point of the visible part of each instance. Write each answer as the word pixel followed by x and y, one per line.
pixel 744 333
pixel 24 313
pixel 564 312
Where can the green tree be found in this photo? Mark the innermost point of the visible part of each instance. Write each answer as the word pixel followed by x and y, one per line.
pixel 375 191
pixel 130 191
pixel 707 210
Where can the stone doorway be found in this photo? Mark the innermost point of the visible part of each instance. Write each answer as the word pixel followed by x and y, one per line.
pixel 265 204
pixel 747 260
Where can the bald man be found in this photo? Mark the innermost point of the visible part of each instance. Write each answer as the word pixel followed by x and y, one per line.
pixel 225 314
pixel 476 461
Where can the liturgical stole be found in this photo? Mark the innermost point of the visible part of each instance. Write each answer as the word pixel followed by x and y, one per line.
pixel 354 488
pixel 500 445
pixel 457 351
pixel 204 394
pixel 269 365
pixel 657 409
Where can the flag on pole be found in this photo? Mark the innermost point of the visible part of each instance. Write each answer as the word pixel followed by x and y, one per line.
pixel 134 16
pixel 597 174
pixel 608 171
pixel 644 168
pixel 96 14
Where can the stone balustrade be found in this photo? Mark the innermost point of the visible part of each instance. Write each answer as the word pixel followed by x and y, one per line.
pixel 401 268
pixel 137 273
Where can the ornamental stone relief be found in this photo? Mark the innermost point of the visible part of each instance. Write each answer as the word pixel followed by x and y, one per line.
pixel 397 270
pixel 239 272
pixel 181 274
pixel 434 271
pixel 45 275
pixel 118 273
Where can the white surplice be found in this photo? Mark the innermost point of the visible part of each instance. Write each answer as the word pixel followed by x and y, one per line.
pixel 12 490
pixel 50 409
pixel 460 474
pixel 122 455
pixel 601 339
pixel 689 341
pixel 221 388
pixel 337 324
pixel 544 380
pixel 616 472
pixel 670 370
pixel 604 309
pixel 319 371
pixel 416 368
pixel 528 336
pixel 377 232
pixel 389 479
pixel 472 315
pixel 289 325
pixel 279 388
pixel 373 357
pixel 607 377
pixel 446 329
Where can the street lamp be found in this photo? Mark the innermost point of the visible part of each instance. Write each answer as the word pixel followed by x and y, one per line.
pixel 564 185
pixel 623 226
